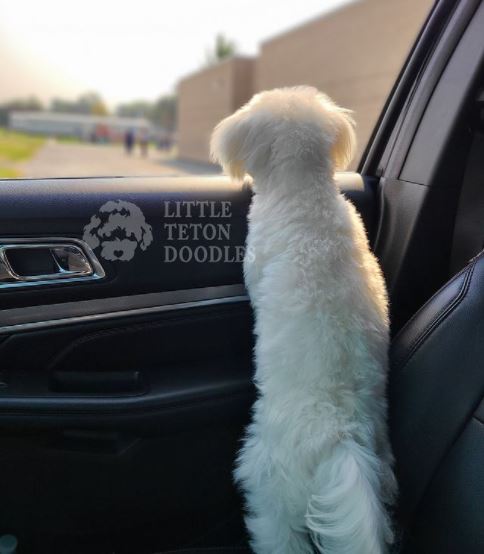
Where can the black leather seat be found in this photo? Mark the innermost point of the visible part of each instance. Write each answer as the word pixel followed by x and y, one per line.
pixel 437 419
pixel 436 391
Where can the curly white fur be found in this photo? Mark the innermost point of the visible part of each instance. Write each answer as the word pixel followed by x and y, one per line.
pixel 315 466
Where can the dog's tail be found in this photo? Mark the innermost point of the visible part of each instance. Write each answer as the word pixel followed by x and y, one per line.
pixel 345 514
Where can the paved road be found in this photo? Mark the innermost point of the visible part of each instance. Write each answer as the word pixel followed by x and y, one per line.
pixel 86 160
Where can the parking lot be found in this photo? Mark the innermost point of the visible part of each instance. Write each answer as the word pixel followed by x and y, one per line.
pixel 58 159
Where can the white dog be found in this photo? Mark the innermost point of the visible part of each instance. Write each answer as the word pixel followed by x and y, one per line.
pixel 315 466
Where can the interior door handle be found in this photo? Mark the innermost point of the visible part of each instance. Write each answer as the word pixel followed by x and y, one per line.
pixel 26 262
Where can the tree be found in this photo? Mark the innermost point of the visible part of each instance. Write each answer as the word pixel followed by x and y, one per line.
pixel 161 113
pixel 93 103
pixel 164 112
pixel 89 103
pixel 222 50
pixel 63 106
pixel 30 104
pixel 99 108
pixel 137 108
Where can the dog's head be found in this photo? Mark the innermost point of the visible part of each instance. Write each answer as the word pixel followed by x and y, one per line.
pixel 299 127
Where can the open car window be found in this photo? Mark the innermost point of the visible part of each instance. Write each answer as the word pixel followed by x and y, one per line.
pixel 123 90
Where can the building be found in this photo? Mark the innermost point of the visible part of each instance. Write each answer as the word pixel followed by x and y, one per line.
pixel 206 97
pixel 84 127
pixel 353 54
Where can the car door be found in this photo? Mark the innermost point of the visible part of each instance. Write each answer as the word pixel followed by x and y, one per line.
pixel 125 371
pixel 126 342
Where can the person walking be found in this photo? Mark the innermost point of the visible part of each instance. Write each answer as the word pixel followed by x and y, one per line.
pixel 129 141
pixel 144 143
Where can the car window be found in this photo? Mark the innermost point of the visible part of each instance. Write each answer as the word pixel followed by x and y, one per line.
pixel 111 88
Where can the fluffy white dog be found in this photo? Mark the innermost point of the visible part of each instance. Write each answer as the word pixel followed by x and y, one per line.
pixel 315 466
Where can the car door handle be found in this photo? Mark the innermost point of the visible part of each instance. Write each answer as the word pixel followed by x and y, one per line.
pixel 32 262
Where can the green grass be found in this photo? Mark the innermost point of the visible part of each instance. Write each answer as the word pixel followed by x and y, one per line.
pixel 18 147
pixel 9 173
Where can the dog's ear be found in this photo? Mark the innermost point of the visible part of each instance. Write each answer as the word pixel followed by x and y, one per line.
pixel 229 140
pixel 344 142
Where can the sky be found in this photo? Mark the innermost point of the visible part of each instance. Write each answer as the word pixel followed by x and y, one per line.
pixel 128 50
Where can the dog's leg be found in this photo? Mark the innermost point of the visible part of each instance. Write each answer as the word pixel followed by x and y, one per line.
pixel 276 509
pixel 346 514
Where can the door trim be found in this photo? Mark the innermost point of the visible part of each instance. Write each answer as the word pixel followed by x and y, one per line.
pixel 17 320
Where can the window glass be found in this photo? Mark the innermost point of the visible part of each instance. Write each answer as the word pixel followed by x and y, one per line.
pixel 134 88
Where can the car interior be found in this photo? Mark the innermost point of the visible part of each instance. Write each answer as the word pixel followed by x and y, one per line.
pixel 123 396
